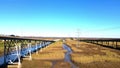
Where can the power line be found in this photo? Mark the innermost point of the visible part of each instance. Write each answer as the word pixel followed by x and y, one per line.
pixel 106 29
pixel 78 32
pixel 111 28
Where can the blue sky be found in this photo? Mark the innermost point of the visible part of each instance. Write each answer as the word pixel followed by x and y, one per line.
pixel 93 18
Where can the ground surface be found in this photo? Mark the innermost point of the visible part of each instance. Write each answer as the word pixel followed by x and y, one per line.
pixel 84 55
pixel 49 57
pixel 1 48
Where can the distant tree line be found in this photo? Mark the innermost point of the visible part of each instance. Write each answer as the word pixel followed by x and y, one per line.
pixel 9 35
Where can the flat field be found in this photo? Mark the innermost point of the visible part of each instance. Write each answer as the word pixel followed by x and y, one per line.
pixel 86 55
pixel 49 57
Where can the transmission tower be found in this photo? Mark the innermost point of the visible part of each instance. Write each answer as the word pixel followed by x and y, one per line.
pixel 78 32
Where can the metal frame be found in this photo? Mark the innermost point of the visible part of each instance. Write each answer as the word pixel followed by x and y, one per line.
pixel 101 41
pixel 11 42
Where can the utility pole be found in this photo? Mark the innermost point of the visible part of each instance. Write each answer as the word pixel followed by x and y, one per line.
pixel 77 45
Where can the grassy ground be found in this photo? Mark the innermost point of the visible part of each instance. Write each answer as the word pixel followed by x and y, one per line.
pixel 50 57
pixel 1 48
pixel 36 64
pixel 86 55
pixel 53 52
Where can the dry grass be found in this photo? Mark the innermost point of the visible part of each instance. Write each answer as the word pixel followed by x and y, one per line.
pixel 73 47
pixel 88 55
pixel 36 64
pixel 46 56
pixel 1 48
pixel 53 52
pixel 49 56
pixel 62 65
pixel 94 58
